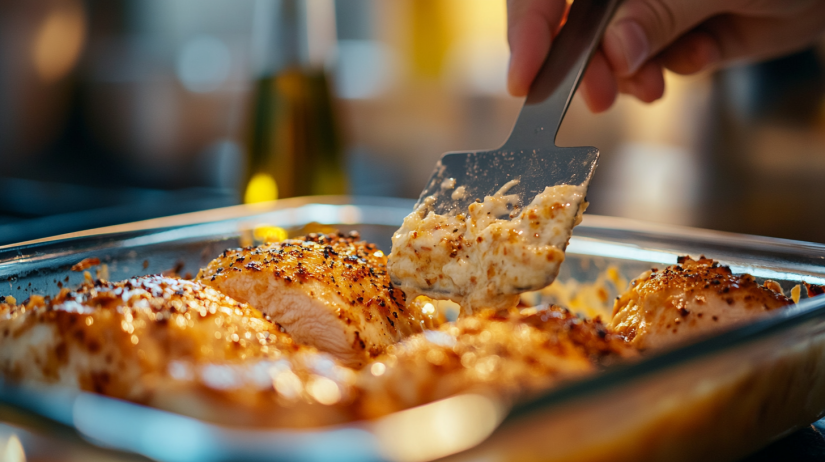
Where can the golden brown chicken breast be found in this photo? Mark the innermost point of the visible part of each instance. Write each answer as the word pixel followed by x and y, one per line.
pixel 508 352
pixel 184 347
pixel 688 300
pixel 328 291
pixel 176 345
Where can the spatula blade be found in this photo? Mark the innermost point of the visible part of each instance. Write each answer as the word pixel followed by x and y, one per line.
pixel 483 173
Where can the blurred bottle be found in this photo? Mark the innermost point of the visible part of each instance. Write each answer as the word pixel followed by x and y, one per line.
pixel 295 145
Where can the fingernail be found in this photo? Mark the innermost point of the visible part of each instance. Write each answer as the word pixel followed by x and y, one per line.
pixel 512 79
pixel 629 48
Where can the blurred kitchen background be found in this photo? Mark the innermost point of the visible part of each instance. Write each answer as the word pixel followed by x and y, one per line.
pixel 120 110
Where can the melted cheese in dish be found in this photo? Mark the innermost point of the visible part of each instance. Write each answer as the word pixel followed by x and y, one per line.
pixel 690 300
pixel 480 260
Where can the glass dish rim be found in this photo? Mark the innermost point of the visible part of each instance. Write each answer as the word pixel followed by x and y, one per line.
pixel 204 217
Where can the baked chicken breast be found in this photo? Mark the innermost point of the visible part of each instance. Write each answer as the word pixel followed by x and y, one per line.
pixel 182 346
pixel 203 351
pixel 176 345
pixel 510 352
pixel 328 291
pixel 688 300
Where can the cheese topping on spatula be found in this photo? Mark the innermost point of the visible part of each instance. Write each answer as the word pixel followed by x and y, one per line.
pixel 488 256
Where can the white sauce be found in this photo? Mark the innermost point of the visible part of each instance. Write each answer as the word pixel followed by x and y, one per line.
pixel 482 261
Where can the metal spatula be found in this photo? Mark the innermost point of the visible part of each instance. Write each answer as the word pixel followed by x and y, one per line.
pixel 530 154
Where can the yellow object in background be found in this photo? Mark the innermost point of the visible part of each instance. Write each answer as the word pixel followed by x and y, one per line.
pixel 442 32
pixel 59 41
pixel 261 188
pixel 268 234
pixel 432 34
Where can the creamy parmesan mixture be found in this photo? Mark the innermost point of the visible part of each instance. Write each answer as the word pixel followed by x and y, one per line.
pixel 480 260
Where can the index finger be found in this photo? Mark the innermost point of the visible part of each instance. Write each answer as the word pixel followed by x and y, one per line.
pixel 531 26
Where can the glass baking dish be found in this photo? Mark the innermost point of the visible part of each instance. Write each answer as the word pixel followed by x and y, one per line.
pixel 719 398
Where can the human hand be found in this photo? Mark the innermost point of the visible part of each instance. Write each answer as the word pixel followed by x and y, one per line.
pixel 645 37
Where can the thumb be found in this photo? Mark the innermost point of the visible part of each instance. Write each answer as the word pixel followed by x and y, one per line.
pixel 642 28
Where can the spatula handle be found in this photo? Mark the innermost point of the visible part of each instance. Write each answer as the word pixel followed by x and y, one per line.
pixel 559 76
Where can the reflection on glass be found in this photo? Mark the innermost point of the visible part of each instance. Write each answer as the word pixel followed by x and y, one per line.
pixel 13 450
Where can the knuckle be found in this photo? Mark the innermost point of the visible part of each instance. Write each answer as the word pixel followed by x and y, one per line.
pixel 661 21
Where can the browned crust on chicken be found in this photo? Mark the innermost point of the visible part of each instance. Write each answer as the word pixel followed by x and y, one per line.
pixel 814 290
pixel 690 299
pixel 509 352
pixel 184 347
pixel 176 345
pixel 328 291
